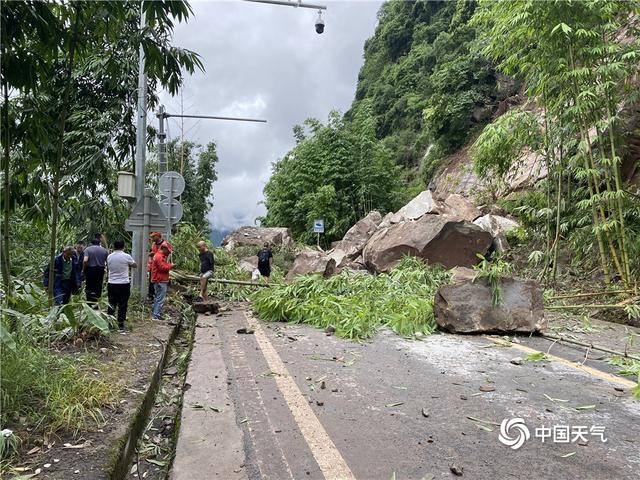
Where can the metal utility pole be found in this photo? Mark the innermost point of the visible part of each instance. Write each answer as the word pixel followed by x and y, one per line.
pixel 139 247
pixel 290 4
pixel 174 178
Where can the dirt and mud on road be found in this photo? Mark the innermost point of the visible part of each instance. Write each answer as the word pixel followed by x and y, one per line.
pixel 277 401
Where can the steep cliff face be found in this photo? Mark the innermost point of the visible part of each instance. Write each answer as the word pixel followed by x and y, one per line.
pixel 429 88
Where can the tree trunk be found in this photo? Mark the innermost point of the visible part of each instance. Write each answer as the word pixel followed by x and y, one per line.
pixel 57 167
pixel 4 253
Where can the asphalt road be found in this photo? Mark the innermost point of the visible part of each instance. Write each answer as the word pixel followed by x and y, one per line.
pixel 289 402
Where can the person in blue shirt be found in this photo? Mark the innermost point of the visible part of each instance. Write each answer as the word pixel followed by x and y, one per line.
pixel 66 276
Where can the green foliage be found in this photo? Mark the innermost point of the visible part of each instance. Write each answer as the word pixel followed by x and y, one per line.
pixel 338 172
pixel 493 271
pixel 185 253
pixel 29 315
pixel 580 73
pixel 536 357
pixel 357 304
pixel 68 123
pixel 424 79
pixel 502 142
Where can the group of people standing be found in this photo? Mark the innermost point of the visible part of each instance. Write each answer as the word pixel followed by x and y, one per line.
pixel 77 264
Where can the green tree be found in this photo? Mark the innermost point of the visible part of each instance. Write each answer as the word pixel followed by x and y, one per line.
pixel 72 69
pixel 581 72
pixel 338 171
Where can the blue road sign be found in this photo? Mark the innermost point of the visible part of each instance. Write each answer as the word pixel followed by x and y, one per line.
pixel 318 225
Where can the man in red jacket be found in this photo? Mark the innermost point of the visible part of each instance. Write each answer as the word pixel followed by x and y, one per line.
pixel 160 277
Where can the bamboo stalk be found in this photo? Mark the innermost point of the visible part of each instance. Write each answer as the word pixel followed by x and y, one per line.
pixel 591 294
pixel 569 307
pixel 560 338
pixel 194 278
pixel 594 214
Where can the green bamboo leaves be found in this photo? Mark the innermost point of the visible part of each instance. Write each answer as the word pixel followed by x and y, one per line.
pixel 357 304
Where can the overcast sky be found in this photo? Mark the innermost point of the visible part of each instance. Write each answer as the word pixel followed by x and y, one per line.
pixel 264 61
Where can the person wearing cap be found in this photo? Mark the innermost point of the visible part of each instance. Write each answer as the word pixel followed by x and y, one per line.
pixel 160 268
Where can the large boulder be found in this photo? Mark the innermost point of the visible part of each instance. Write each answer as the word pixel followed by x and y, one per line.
pixel 497 226
pixel 358 235
pixel 311 261
pixel 456 204
pixel 438 239
pixel 465 306
pixel 257 236
pixel 422 204
pixel 386 220
pixel 248 264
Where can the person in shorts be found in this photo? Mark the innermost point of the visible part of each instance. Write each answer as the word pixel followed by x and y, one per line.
pixel 265 260
pixel 206 269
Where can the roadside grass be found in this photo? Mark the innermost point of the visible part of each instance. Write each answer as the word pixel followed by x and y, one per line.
pixel 51 391
pixel 48 384
pixel 356 304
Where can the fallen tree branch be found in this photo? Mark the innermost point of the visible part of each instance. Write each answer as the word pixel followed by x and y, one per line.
pixel 195 278
pixel 591 294
pixel 561 338
pixel 569 307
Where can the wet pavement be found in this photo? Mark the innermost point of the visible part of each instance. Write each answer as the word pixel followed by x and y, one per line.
pixel 308 405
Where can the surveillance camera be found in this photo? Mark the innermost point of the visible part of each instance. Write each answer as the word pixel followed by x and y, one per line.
pixel 319 23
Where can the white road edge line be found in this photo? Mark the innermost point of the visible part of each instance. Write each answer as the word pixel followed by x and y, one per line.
pixel 333 466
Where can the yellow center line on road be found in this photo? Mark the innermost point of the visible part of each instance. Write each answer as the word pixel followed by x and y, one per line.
pixel 331 463
pixel 568 363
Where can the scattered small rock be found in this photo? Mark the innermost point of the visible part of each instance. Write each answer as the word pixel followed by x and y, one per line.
pixel 456 469
pixel 618 389
pixel 425 413
pixel 245 331
pixel 516 361
pixel 319 403
pixel 463 397
pixel 323 385
pixel 334 390
pixel 487 388
pixel 330 330
pixel 47 465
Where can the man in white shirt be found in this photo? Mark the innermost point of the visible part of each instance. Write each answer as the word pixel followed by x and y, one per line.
pixel 118 286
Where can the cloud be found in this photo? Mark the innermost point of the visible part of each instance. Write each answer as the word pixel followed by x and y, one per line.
pixel 264 61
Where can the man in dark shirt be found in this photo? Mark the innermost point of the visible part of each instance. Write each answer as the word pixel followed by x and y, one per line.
pixel 265 260
pixel 95 259
pixel 206 269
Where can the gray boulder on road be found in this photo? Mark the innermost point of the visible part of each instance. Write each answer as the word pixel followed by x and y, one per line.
pixel 358 235
pixel 257 236
pixel 311 261
pixel 437 239
pixel 465 305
